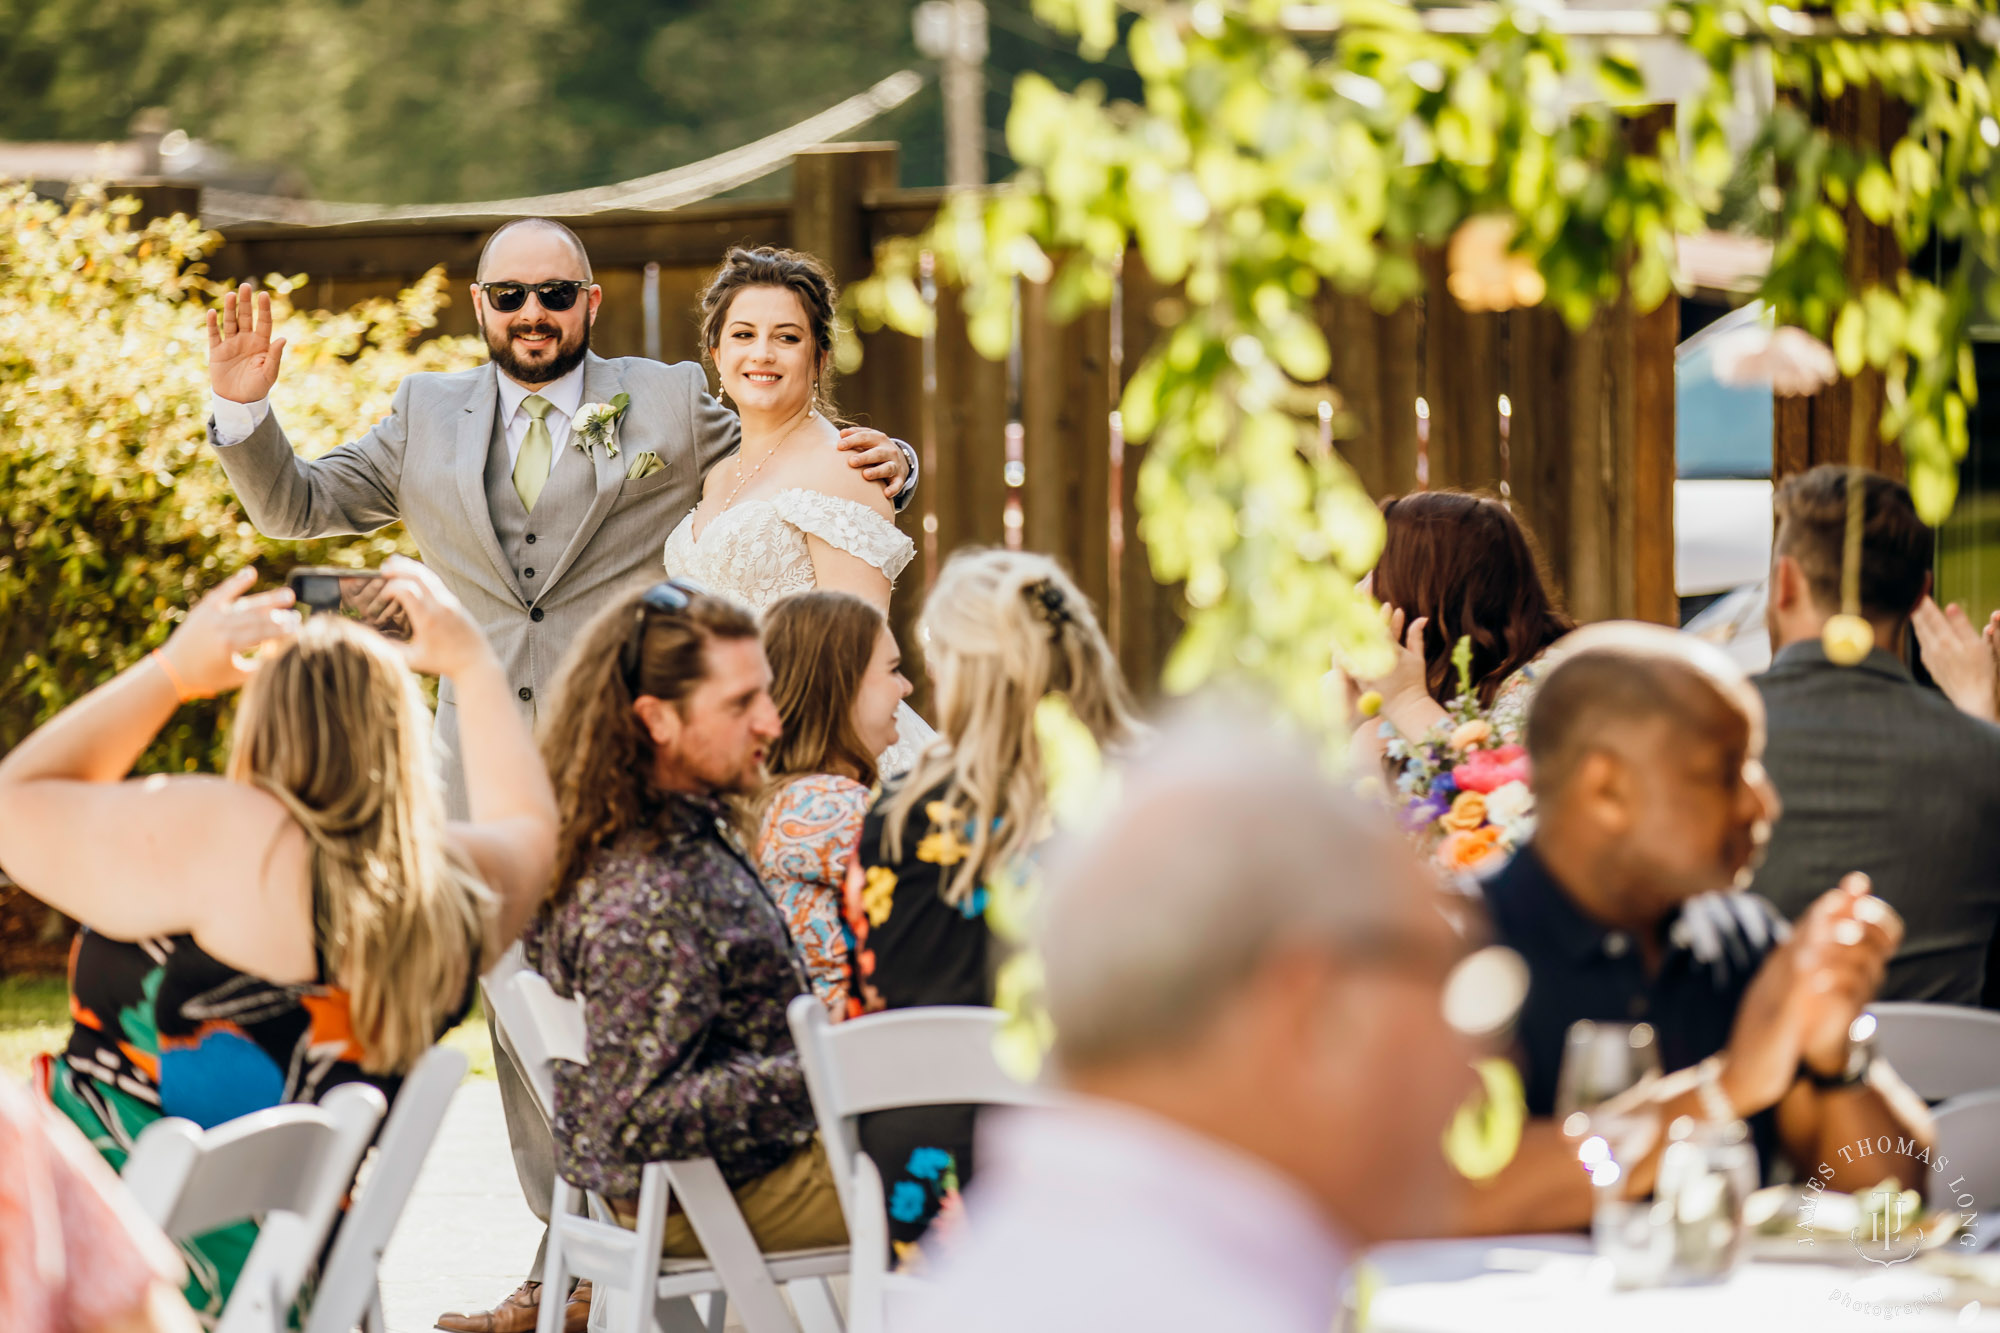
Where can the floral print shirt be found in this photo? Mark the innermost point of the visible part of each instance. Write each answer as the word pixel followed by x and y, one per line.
pixel 684 968
pixel 802 853
pixel 910 947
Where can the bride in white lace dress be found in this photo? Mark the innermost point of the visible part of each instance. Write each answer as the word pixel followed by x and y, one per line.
pixel 787 514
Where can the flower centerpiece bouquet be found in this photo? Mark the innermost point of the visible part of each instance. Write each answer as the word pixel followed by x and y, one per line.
pixel 1463 785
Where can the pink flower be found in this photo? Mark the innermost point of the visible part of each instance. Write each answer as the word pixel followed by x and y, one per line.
pixel 1486 770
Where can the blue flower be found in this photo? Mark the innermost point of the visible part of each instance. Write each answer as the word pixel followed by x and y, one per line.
pixel 1420 815
pixel 907 1203
pixel 926 1163
pixel 1445 785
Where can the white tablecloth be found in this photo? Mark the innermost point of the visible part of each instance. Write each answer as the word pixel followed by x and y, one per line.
pixel 1550 1284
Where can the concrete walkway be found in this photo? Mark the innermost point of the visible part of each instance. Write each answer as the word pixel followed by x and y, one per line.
pixel 466 1239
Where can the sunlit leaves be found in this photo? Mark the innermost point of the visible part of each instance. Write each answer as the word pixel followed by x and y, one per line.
pixel 1262 168
pixel 114 515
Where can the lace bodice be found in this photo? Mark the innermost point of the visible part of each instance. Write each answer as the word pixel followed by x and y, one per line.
pixel 756 552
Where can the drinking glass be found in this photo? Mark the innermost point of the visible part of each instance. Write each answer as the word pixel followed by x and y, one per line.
pixel 1706 1172
pixel 1600 1061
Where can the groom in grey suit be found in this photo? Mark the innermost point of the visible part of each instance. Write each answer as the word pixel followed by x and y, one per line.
pixel 530 531
pixel 530 556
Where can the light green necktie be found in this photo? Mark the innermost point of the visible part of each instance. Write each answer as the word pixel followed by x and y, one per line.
pixel 531 469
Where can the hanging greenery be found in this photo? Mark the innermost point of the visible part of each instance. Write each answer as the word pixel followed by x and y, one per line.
pixel 1281 149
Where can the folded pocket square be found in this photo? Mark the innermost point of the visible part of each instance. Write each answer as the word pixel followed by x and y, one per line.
pixel 645 465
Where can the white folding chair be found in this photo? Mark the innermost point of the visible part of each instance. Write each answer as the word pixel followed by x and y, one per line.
pixel 1941 1050
pixel 348 1293
pixel 1968 1141
pixel 935 1055
pixel 628 1279
pixel 288 1166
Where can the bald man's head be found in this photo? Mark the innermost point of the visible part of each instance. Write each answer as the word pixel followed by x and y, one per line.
pixel 1227 844
pixel 1623 675
pixel 1645 746
pixel 523 228
pixel 1251 952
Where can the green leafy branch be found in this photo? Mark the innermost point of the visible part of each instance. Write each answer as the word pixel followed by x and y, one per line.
pixel 1266 165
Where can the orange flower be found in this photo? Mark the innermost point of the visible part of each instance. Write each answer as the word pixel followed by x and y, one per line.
pixel 1468 850
pixel 1469 734
pixel 1468 812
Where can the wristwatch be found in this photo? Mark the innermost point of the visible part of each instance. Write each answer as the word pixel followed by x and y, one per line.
pixel 1860 1058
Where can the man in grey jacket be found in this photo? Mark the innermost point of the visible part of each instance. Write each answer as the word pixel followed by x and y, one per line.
pixel 1876 772
pixel 527 527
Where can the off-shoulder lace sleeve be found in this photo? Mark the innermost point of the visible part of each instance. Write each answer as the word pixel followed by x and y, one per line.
pixel 848 525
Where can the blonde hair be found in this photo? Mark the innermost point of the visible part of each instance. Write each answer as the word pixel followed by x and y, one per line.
pixel 1002 630
pixel 335 727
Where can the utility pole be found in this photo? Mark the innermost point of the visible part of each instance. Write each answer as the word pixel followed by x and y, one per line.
pixel 953 33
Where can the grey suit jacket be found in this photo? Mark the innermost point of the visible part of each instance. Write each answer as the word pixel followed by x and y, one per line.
pixel 1879 774
pixel 424 464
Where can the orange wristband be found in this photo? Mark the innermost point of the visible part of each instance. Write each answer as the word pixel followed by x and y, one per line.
pixel 181 691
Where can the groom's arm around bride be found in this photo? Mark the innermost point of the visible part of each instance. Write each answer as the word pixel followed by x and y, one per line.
pixel 531 523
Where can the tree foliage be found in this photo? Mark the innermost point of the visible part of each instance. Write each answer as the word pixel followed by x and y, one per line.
pixel 413 101
pixel 114 516
pixel 1262 166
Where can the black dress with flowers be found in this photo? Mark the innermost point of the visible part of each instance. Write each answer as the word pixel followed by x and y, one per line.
pixel 908 947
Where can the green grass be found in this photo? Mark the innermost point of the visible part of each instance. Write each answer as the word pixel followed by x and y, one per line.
pixel 34 1018
pixel 472 1037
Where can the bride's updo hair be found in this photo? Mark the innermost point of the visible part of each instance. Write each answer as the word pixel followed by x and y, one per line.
pixel 798 273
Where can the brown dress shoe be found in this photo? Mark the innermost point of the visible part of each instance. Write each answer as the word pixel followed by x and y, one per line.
pixel 518 1312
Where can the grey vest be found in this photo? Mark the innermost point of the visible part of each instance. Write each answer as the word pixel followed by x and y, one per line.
pixel 534 542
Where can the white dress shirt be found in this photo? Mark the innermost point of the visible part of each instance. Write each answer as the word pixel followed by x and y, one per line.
pixel 235 421
pixel 1099 1216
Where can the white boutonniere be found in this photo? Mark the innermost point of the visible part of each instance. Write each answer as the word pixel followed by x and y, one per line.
pixel 596 425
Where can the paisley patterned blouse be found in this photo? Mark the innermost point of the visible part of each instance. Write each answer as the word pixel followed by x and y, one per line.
pixel 802 852
pixel 684 969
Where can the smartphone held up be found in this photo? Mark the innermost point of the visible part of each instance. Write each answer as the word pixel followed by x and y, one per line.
pixel 358 594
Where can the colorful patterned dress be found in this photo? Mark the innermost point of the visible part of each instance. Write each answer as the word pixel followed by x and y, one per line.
pixel 802 852
pixel 163 1029
pixel 911 947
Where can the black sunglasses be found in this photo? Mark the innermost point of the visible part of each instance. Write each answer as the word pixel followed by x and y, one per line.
pixel 668 598
pixel 507 297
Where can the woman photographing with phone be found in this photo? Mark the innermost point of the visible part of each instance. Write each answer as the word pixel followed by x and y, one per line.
pixel 315 896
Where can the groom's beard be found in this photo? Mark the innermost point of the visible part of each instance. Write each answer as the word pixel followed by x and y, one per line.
pixel 569 355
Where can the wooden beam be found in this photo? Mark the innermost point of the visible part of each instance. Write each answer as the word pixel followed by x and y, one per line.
pixel 1824 427
pixel 690 237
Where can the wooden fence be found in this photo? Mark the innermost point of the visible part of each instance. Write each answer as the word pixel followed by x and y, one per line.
pixel 1577 429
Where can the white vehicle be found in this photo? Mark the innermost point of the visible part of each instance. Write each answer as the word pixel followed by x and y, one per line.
pixel 1722 497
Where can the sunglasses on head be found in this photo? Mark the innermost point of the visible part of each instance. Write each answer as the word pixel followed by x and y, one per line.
pixel 507 297
pixel 668 598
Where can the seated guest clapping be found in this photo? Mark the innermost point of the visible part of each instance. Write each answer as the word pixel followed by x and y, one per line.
pixel 1003 630
pixel 837 679
pixel 1245 972
pixel 660 927
pixel 309 920
pixel 1878 773
pixel 1645 746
